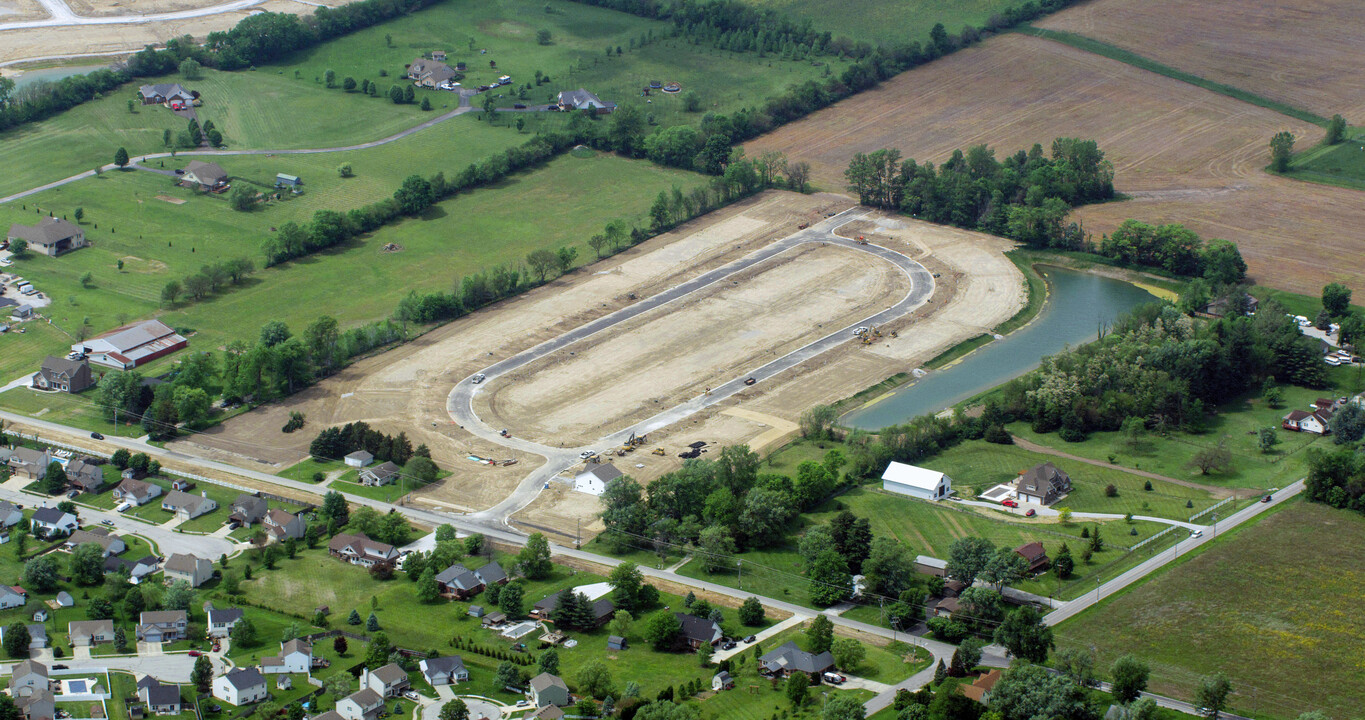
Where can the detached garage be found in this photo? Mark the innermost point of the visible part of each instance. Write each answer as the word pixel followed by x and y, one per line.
pixel 917 482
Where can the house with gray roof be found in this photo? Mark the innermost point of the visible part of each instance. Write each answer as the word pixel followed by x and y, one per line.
pixel 360 550
pixel 210 177
pixel 90 632
pixel 547 689
pixel 788 658
pixel 444 670
pixel 137 492
pixel 37 705
pixel 163 93
pixel 51 522
pixel 192 569
pixel 247 510
pixel 698 631
pixel 242 686
pixel 581 99
pixel 126 347
pixel 1042 484
pixel 109 544
pixel 160 698
pixel 388 680
pixel 221 620
pixel 63 375
pixel 379 475
pixel 28 675
pixel 136 569
pixel 283 525
pixel 10 514
pixel 30 464
pixel 37 635
pixel 362 705
pixel 51 236
pixel 84 476
pixel 187 506
pixel 492 574
pixel 458 582
pixel 162 625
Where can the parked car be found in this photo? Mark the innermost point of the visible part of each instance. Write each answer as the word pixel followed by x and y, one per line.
pixel 412 695
pixel 728 646
pixel 97 436
pixel 750 639
pixel 833 678
pixel 194 653
pixel 107 521
pixel 586 454
pixel 519 106
pixel 1009 503
pixel 59 666
pixel 1031 512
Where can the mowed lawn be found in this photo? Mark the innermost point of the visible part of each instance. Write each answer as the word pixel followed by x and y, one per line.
pixel 977 466
pixel 160 241
pixel 1278 606
pixel 1341 164
pixel 878 21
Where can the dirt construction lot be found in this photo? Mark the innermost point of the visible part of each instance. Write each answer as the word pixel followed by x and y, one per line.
pixel 1305 53
pixel 660 359
pixel 406 388
pixel 1184 154
pixel 106 8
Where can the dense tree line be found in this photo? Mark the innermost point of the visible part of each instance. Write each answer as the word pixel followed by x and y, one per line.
pixel 1026 197
pixel 1337 478
pixel 1175 249
pixel 160 407
pixel 256 39
pixel 337 442
pixel 279 364
pixel 1160 365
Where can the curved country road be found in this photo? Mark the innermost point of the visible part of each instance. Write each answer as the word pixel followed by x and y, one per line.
pixel 63 15
pixel 137 161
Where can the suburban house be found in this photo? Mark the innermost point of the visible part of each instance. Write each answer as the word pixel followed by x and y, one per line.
pixel 90 632
pixel 162 625
pixel 194 570
pixel 109 543
pixel 389 680
pixel 1033 554
pixel 698 631
pixel 491 574
pixel 1315 422
pixel 981 687
pixel 445 670
pixel 360 550
pixel 1042 484
pixel 242 686
pixel 37 637
pixel 187 506
pixel 247 510
pixel 616 642
pixel 789 658
pixel 581 99
pixel 10 514
pixel 30 464
pixel 37 705
pixel 547 689
pixel 220 621
pixel 127 347
pixel 722 681
pixel 209 177
pixel 595 477
pixel 63 375
pixel 51 236
pixel 381 474
pixel 363 705
pixel 430 73
pixel 160 699
pixel 458 582
pixel 137 569
pixel 283 525
pixel 51 522
pixel 917 482
pixel 28 675
pixel 602 609
pixel 296 656
pixel 359 459
pixel 136 492
pixel 947 606
pixel 164 94
pixel 84 476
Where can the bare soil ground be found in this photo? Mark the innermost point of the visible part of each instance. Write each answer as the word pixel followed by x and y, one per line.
pixel 71 40
pixel 664 357
pixel 406 388
pixel 16 10
pixel 107 8
pixel 1187 155
pixel 1304 53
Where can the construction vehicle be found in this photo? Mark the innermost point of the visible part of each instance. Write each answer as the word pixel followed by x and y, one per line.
pixel 635 441
pixel 862 240
pixel 659 451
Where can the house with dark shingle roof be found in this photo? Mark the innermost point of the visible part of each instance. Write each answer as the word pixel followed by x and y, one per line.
pixel 698 631
pixel 360 550
pixel 53 522
pixel 162 93
pixel 283 525
pixel 64 375
pixel 1033 554
pixel 210 177
pixel 387 680
pixel 110 544
pixel 187 506
pixel 362 705
pixel 160 698
pixel 84 476
pixel 379 475
pixel 789 658
pixel 29 463
pixel 221 620
pixel 242 686
pixel 136 492
pixel 547 689
pixel 247 510
pixel 1042 484
pixel 51 236
pixel 162 625
pixel 492 574
pixel 444 670
pixel 459 582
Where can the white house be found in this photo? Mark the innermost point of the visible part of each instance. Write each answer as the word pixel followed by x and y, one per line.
pixel 363 705
pixel 10 514
pixel 593 480
pixel 296 656
pixel 28 675
pixel 242 686
pixel 136 492
pixel 51 522
pixel 445 670
pixel 917 482
pixel 187 506
pixel 90 632
pixel 220 621
pixel 389 680
pixel 192 569
pixel 12 597
pixel 1309 422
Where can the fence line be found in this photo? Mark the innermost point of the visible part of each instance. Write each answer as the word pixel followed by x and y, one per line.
pixel 1211 508
pixel 1157 536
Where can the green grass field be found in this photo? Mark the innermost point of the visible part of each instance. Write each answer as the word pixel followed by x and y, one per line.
pixel 467 234
pixel 899 22
pixel 1342 164
pixel 1276 606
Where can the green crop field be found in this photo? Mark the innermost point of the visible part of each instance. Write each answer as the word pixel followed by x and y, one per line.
pixel 888 22
pixel 160 241
pixel 1342 164
pixel 1276 606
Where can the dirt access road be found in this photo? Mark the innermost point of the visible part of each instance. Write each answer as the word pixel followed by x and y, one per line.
pixel 1182 153
pixel 405 389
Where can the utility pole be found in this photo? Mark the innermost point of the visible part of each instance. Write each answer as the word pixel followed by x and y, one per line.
pixel 740 564
pixel 578 528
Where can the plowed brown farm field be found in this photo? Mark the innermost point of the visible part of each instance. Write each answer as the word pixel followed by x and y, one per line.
pixel 1305 53
pixel 1184 154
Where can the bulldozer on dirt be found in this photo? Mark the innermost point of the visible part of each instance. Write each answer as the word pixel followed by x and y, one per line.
pixel 658 451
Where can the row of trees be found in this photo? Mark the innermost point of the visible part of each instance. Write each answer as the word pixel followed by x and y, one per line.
pixel 1175 249
pixel 1026 197
pixel 336 442
pixel 210 279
